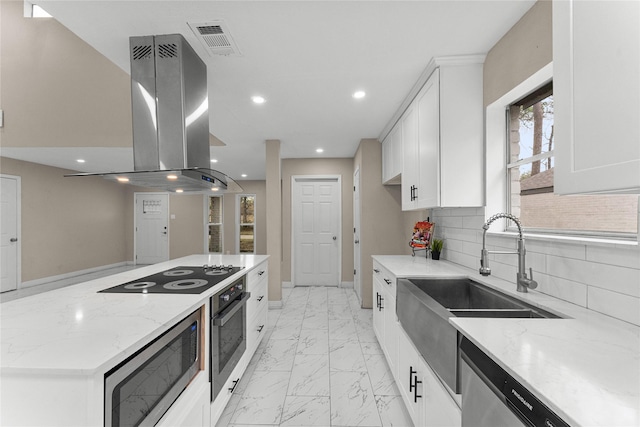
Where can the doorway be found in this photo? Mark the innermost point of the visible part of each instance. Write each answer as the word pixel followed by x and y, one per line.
pixel 9 233
pixel 357 262
pixel 316 230
pixel 151 228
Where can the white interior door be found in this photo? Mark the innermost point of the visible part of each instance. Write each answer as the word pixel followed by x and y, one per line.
pixel 316 221
pixel 152 227
pixel 9 251
pixel 357 264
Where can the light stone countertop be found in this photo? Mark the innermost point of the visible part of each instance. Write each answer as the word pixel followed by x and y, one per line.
pixel 77 331
pixel 585 367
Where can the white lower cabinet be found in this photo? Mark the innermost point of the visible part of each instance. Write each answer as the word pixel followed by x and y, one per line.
pixel 427 401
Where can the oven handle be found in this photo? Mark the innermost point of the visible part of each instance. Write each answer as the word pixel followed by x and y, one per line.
pixel 221 318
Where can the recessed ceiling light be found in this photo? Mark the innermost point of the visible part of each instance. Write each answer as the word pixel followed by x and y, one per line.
pixel 172 177
pixel 179 190
pixel 319 150
pixel 215 189
pixel 257 99
pixel 80 160
pixel 214 160
pixel 123 179
pixel 244 175
pixel 359 94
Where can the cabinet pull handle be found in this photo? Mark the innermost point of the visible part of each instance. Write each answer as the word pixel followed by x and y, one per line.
pixel 388 281
pixel 260 297
pixel 380 307
pixel 415 391
pixel 260 328
pixel 235 384
pixel 375 270
pixel 260 273
pixel 411 373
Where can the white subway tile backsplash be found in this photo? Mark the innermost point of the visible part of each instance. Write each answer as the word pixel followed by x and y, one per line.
pixel 619 279
pixel 617 305
pixel 615 255
pixel 602 277
pixel 563 289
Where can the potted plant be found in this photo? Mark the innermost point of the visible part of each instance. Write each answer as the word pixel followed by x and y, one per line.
pixel 436 248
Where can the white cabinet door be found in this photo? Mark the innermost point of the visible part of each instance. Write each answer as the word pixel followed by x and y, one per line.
pixel 392 157
pixel 428 105
pixel 410 378
pixel 439 408
pixel 410 160
pixel 596 61
pixel 378 315
pixel 390 330
pixel 442 138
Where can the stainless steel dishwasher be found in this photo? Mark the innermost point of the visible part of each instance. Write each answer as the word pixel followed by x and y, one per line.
pixel 493 398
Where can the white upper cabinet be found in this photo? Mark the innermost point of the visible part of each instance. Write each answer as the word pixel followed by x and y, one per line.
pixel 596 61
pixel 392 157
pixel 442 137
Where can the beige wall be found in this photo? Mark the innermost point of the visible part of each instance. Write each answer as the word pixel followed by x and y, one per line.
pixel 342 167
pixel 383 229
pixel 56 89
pixel 186 225
pixel 67 224
pixel 524 49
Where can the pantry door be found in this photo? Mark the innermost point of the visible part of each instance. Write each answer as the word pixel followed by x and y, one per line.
pixel 9 233
pixel 316 225
pixel 152 228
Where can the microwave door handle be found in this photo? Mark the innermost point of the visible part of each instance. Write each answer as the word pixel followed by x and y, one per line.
pixel 223 317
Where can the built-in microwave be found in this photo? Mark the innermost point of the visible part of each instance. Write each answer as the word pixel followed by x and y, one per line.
pixel 142 388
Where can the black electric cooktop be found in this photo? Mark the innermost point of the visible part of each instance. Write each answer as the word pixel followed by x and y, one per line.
pixel 178 280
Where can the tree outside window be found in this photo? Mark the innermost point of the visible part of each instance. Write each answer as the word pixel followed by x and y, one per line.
pixel 246 233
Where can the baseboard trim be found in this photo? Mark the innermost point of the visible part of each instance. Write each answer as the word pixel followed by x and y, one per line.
pixel 275 305
pixel 287 284
pixel 346 285
pixel 64 276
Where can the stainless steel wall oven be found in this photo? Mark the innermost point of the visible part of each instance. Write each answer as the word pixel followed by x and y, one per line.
pixel 228 332
pixel 142 388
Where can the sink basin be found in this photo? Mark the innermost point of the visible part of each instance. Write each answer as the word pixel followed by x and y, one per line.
pixel 467 298
pixel 424 307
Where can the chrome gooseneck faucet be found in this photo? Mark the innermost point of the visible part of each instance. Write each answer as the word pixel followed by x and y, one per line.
pixel 523 282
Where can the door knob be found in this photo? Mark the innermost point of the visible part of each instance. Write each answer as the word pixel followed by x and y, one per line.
pixel 13 239
pixel 335 238
pixel 357 241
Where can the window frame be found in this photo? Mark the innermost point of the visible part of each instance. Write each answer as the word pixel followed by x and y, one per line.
pixel 497 182
pixel 239 224
pixel 208 224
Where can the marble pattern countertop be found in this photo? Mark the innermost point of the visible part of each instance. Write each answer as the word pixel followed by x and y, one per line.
pixel 585 367
pixel 77 331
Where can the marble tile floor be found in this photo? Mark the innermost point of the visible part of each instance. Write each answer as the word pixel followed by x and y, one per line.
pixel 319 365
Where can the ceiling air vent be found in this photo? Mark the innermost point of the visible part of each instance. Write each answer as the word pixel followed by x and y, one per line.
pixel 216 38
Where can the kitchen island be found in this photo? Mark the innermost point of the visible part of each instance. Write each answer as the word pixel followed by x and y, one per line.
pixel 584 366
pixel 56 347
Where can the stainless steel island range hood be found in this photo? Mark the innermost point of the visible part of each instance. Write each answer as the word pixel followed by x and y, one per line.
pixel 170 119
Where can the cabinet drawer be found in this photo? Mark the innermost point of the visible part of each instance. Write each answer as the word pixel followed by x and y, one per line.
pixel 259 298
pixel 257 328
pixel 385 277
pixel 257 275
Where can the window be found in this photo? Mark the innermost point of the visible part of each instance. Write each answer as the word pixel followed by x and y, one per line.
pixel 530 177
pixel 247 221
pixel 215 224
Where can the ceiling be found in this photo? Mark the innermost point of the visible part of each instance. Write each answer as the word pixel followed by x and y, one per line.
pixel 306 58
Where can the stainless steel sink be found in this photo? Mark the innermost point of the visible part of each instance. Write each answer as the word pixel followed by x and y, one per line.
pixel 424 307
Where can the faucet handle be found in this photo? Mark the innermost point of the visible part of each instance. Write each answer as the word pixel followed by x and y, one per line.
pixel 530 273
pixel 532 283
